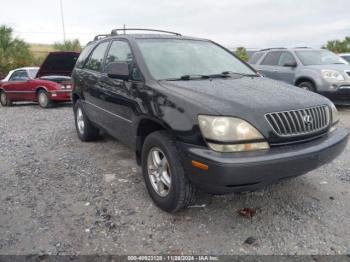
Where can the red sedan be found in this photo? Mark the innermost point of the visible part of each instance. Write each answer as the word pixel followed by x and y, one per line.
pixel 52 82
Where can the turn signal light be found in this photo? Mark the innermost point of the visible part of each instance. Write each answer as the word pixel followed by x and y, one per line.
pixel 200 165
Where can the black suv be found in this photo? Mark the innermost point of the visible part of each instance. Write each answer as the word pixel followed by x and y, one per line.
pixel 197 116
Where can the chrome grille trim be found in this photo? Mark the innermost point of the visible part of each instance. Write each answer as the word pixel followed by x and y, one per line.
pixel 294 123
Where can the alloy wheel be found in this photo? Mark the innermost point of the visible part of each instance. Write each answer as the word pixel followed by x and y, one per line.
pixel 159 172
pixel 43 99
pixel 80 121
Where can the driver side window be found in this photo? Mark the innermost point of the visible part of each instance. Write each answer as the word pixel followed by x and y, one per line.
pixel 286 57
pixel 120 52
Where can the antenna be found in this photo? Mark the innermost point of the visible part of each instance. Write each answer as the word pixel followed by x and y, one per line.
pixel 62 17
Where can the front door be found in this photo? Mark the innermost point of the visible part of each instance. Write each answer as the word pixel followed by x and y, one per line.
pixel 18 87
pixel 119 97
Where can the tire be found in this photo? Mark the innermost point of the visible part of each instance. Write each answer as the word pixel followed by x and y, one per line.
pixel 44 100
pixel 85 129
pixel 4 99
pixel 307 85
pixel 181 193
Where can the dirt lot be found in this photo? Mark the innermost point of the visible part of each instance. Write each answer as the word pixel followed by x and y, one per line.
pixel 61 196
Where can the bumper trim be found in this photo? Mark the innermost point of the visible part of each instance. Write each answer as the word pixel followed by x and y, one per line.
pixel 247 171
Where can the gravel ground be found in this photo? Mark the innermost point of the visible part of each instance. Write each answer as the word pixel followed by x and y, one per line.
pixel 61 196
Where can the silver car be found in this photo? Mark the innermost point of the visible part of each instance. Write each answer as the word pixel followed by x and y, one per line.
pixel 316 70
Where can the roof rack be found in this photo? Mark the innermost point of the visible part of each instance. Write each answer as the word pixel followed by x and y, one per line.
pixel 115 31
pixel 101 36
pixel 272 48
pixel 302 47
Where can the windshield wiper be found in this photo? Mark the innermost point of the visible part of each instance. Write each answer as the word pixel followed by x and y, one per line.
pixel 187 77
pixel 227 73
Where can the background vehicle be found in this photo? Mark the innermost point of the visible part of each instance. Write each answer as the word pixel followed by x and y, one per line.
pixel 197 116
pixel 27 72
pixel 51 83
pixel 345 56
pixel 316 70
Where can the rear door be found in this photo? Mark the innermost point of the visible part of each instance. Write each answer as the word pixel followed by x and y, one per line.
pixel 269 65
pixel 90 75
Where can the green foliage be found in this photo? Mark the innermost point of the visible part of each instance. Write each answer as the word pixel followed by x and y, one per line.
pixel 69 45
pixel 241 52
pixel 339 46
pixel 14 52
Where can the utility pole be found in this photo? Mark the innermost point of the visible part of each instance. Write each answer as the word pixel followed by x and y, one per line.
pixel 62 17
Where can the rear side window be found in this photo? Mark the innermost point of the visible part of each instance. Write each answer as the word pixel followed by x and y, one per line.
pixel 95 60
pixel 83 56
pixel 272 58
pixel 256 57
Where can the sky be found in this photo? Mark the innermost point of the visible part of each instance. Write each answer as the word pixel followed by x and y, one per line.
pixel 232 23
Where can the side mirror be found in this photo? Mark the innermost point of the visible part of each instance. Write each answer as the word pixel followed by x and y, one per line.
pixel 290 64
pixel 118 70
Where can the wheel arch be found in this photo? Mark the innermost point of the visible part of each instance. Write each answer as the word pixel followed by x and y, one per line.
pixel 305 79
pixel 38 88
pixel 75 98
pixel 144 127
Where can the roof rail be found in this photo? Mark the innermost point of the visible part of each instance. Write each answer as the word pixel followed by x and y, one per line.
pixel 100 36
pixel 115 31
pixel 272 48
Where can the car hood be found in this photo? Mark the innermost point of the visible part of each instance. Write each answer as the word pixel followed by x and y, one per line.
pixel 58 63
pixel 249 96
pixel 338 67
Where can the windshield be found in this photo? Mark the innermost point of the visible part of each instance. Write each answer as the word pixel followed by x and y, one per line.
pixel 174 58
pixel 319 57
pixel 33 72
pixel 346 57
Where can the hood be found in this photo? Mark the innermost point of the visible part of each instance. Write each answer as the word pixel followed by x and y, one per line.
pixel 261 95
pixel 338 67
pixel 58 63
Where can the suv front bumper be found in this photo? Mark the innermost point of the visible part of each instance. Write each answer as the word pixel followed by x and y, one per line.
pixel 248 171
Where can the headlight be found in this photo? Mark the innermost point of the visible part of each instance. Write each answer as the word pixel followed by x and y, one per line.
pixel 335 115
pixel 332 75
pixel 230 129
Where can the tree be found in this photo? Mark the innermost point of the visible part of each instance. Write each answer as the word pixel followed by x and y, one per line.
pixel 14 52
pixel 339 46
pixel 241 52
pixel 68 45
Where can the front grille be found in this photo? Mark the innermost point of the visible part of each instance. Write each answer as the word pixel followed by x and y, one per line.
pixel 299 122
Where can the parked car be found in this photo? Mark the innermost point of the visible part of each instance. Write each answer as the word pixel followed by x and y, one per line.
pixel 345 56
pixel 47 85
pixel 198 117
pixel 316 70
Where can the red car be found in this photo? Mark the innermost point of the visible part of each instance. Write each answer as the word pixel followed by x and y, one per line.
pixel 51 84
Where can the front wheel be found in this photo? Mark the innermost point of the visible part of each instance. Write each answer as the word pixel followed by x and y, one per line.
pixel 5 101
pixel 307 86
pixel 164 174
pixel 85 129
pixel 44 100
